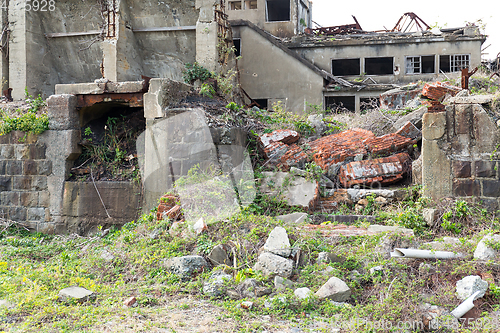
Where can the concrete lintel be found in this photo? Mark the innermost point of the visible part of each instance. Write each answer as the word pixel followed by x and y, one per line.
pixel 95 88
pixel 475 99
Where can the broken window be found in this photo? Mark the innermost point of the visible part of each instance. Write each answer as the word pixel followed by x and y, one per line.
pixel 263 103
pixel 379 66
pixel 250 4
pixel 237 46
pixel 234 5
pixel 341 67
pixel 420 65
pixel 454 62
pixel 368 103
pixel 277 10
pixel 340 103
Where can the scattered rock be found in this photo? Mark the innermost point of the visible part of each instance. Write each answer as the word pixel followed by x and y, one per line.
pixel 376 269
pixel 334 289
pixel 251 288
pixel 130 302
pixel 107 256
pixel 218 256
pixel 484 251
pixel 200 226
pixel 76 293
pixel 303 293
pixel 294 218
pixel 431 216
pixel 437 318
pixel 278 242
pixel 469 285
pixel 270 263
pixel 216 284
pixel 327 257
pixel 281 284
pixel 247 305
pixel 186 266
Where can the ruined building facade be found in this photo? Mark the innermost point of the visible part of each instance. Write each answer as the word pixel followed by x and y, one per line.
pixel 76 41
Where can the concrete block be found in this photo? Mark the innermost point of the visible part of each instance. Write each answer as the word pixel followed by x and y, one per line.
pixel 461 169
pixel 80 89
pixel 37 151
pixel 463 119
pixel 29 199
pixel 44 199
pixel 486 133
pixel 62 112
pixel 485 168
pixel 152 108
pixel 436 171
pixel 126 87
pixel 466 187
pixel 433 125
pixel 491 188
pixel 474 99
pixel 36 214
pixel 76 293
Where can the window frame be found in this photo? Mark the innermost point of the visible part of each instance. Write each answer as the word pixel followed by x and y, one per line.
pixel 420 64
pixel 289 12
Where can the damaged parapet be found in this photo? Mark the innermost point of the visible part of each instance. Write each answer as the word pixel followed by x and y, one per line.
pixel 459 150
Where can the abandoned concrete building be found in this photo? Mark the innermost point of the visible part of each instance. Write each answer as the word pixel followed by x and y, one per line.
pixel 80 41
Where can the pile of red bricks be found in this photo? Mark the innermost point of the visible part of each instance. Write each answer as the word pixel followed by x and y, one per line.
pixel 437 90
pixel 168 208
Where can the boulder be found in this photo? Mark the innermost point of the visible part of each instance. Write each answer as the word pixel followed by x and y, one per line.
pixel 484 249
pixel 216 284
pixel 469 285
pixel 278 242
pixel 218 256
pixel 270 264
pixel 251 288
pixel 77 294
pixel 334 289
pixel 303 293
pixel 186 266
pixel 281 284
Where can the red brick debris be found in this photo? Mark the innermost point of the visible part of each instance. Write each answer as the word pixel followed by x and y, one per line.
pixel 335 148
pixel 286 136
pixel 295 156
pixel 388 144
pixel 168 207
pixel 275 150
pixel 409 131
pixel 437 90
pixel 382 170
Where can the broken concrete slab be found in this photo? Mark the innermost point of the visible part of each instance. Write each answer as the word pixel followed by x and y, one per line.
pixel 398 97
pixel 298 192
pixel 77 294
pixel 414 117
pixel 293 218
pixel 97 88
pixel 474 99
pixel 377 229
pixel 385 170
pixel 278 242
pixel 285 136
pixel 358 194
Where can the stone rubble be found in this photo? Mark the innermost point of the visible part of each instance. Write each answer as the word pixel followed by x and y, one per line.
pixel 484 251
pixel 77 294
pixel 278 242
pixel 334 289
pixel 469 285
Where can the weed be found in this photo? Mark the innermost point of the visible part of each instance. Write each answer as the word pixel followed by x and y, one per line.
pixel 195 72
pixel 207 90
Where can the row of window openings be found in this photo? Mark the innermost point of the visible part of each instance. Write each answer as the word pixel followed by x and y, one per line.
pixel 414 65
pixel 276 10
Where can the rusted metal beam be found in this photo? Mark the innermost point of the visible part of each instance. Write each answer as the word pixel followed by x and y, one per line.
pixel 414 20
pixel 465 77
pixel 133 99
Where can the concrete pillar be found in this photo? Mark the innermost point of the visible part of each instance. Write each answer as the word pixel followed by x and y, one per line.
pixel 17 48
pixel 4 59
pixel 436 167
pixel 121 60
pixel 206 35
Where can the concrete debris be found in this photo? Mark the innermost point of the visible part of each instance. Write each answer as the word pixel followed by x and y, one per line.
pixel 269 264
pixel 338 230
pixel 385 170
pixel 216 284
pixel 316 120
pixel 281 284
pixel 416 171
pixel 397 98
pixel 377 229
pixel 168 208
pixel 303 293
pixel 410 131
pixel 77 294
pixel 285 136
pixel 200 226
pixel 293 218
pixel 186 266
pixel 431 216
pixel 438 90
pixel 278 242
pixel 334 289
pixel 327 257
pixel 484 250
pixel 298 192
pixel 469 285
pixel 414 117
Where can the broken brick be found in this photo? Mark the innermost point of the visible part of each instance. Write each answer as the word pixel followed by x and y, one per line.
pixel 437 90
pixel 286 136
pixel 293 157
pixel 409 131
pixel 168 207
pixel 337 148
pixel 389 143
pixel 275 150
pixel 382 170
pixel 461 169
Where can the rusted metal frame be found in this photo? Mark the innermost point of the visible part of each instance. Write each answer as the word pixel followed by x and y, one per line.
pixel 133 99
pixel 414 19
pixel 466 75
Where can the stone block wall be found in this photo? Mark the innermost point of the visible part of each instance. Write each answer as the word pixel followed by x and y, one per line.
pixel 460 155
pixel 24 170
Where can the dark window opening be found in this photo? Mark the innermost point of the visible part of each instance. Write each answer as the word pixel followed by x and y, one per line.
pixel 444 63
pixel 428 65
pixel 250 4
pixel 237 46
pixel 277 10
pixel 340 103
pixel 262 103
pixel 379 66
pixel 341 67
pixel 368 103
pixel 235 5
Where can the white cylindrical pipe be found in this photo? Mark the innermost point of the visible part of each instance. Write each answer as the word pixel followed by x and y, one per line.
pixel 465 306
pixel 424 254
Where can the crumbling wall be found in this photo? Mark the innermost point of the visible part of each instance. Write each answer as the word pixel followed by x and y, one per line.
pixel 460 151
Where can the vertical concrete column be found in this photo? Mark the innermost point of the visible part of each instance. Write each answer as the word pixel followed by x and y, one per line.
pixel 17 48
pixel 121 60
pixel 4 59
pixel 206 35
pixel 436 167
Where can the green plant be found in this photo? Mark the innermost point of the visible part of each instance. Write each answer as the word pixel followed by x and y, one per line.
pixel 195 72
pixel 313 171
pixel 233 106
pixel 207 90
pixel 28 122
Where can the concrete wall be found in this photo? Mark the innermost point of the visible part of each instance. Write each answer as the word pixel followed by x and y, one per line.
pixel 299 9
pixel 460 152
pixel 276 75
pixel 397 47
